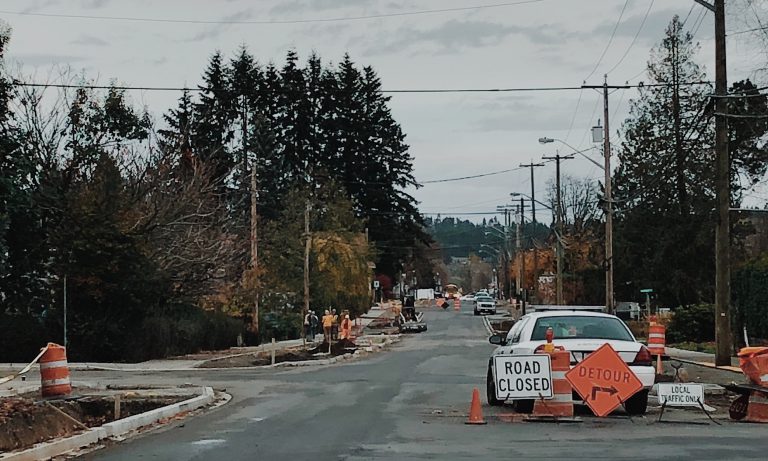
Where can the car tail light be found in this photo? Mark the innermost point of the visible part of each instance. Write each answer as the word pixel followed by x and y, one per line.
pixel 643 357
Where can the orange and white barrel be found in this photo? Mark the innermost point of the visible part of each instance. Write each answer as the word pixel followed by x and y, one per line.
pixel 54 371
pixel 561 403
pixel 757 411
pixel 657 339
pixel 457 304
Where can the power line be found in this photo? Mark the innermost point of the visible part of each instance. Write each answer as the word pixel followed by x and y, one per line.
pixel 610 40
pixel 420 90
pixel 267 21
pixel 637 34
pixel 462 178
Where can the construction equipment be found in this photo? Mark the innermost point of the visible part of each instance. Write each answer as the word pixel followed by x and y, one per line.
pixel 409 320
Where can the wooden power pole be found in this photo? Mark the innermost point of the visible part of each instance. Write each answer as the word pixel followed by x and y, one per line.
pixel 723 196
pixel 610 304
pixel 722 191
pixel 533 230
pixel 255 247
pixel 559 225
pixel 307 247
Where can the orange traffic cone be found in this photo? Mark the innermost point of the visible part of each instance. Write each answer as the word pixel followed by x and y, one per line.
pixel 659 366
pixel 475 411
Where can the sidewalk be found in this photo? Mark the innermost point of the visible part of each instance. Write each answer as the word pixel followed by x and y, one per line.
pixel 701 358
pixel 171 364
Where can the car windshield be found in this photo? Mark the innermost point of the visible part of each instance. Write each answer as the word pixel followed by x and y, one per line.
pixel 484 298
pixel 581 326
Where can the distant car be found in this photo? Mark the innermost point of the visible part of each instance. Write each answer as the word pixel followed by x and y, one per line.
pixel 468 297
pixel 580 333
pixel 485 305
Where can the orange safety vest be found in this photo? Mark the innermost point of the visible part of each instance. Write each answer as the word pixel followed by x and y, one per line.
pixel 327 320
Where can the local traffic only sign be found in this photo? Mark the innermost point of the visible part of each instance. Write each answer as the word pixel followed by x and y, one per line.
pixel 522 376
pixel 603 380
pixel 681 394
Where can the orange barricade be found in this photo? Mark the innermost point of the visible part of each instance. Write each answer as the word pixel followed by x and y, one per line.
pixel 54 371
pixel 657 339
pixel 561 404
pixel 754 363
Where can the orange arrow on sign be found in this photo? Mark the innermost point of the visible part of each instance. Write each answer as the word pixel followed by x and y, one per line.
pixel 603 380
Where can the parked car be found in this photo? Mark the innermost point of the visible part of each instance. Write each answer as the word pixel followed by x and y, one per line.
pixel 485 305
pixel 580 333
pixel 468 297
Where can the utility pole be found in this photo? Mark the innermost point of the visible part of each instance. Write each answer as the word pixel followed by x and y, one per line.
pixel 533 220
pixel 518 251
pixel 521 252
pixel 722 191
pixel 609 301
pixel 307 246
pixel 559 225
pixel 65 311
pixel 254 220
pixel 723 194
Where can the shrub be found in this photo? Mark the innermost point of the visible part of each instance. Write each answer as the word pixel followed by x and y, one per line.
pixel 186 330
pixel 694 323
pixel 750 299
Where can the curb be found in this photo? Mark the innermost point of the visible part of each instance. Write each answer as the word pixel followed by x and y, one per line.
pixel 487 324
pixel 709 365
pixel 54 448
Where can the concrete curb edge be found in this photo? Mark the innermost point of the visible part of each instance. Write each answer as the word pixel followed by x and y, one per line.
pixel 59 447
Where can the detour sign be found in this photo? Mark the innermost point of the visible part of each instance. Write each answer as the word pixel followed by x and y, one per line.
pixel 603 380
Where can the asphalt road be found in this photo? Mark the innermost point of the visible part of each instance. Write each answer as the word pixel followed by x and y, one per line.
pixel 408 403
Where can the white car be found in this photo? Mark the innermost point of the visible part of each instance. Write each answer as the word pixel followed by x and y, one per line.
pixel 468 297
pixel 580 333
pixel 485 304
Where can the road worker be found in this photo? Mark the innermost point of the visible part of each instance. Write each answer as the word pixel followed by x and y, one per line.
pixel 335 325
pixel 327 326
pixel 346 327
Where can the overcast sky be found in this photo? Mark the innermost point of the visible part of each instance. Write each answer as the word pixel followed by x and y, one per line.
pixel 537 44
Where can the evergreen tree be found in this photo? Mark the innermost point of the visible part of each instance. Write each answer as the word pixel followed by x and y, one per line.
pixel 664 185
pixel 213 129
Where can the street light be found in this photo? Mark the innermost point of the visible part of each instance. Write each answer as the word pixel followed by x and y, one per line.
pixel 546 140
pixel 518 194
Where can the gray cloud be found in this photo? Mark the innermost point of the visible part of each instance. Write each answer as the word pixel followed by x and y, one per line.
pixel 89 40
pixel 95 3
pixel 522 113
pixel 652 32
pixel 456 35
pixel 39 59
pixel 293 6
pixel 37 6
pixel 215 31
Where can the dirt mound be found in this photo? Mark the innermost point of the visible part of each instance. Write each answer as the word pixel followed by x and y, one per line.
pixel 259 359
pixel 25 422
pixel 340 347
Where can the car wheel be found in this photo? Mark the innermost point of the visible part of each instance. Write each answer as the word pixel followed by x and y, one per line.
pixel 524 406
pixel 490 390
pixel 477 313
pixel 637 404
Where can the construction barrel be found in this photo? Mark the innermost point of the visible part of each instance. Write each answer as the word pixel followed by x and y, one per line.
pixel 54 371
pixel 657 339
pixel 561 404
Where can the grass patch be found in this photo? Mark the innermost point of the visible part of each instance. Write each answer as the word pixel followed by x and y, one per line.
pixel 708 347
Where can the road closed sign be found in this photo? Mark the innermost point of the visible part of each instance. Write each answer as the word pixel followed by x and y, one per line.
pixel 523 376
pixel 681 394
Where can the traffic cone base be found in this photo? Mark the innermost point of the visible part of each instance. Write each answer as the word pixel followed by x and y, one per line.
pixel 475 410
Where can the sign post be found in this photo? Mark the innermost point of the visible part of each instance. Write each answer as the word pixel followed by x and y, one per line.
pixel 603 380
pixel 522 376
